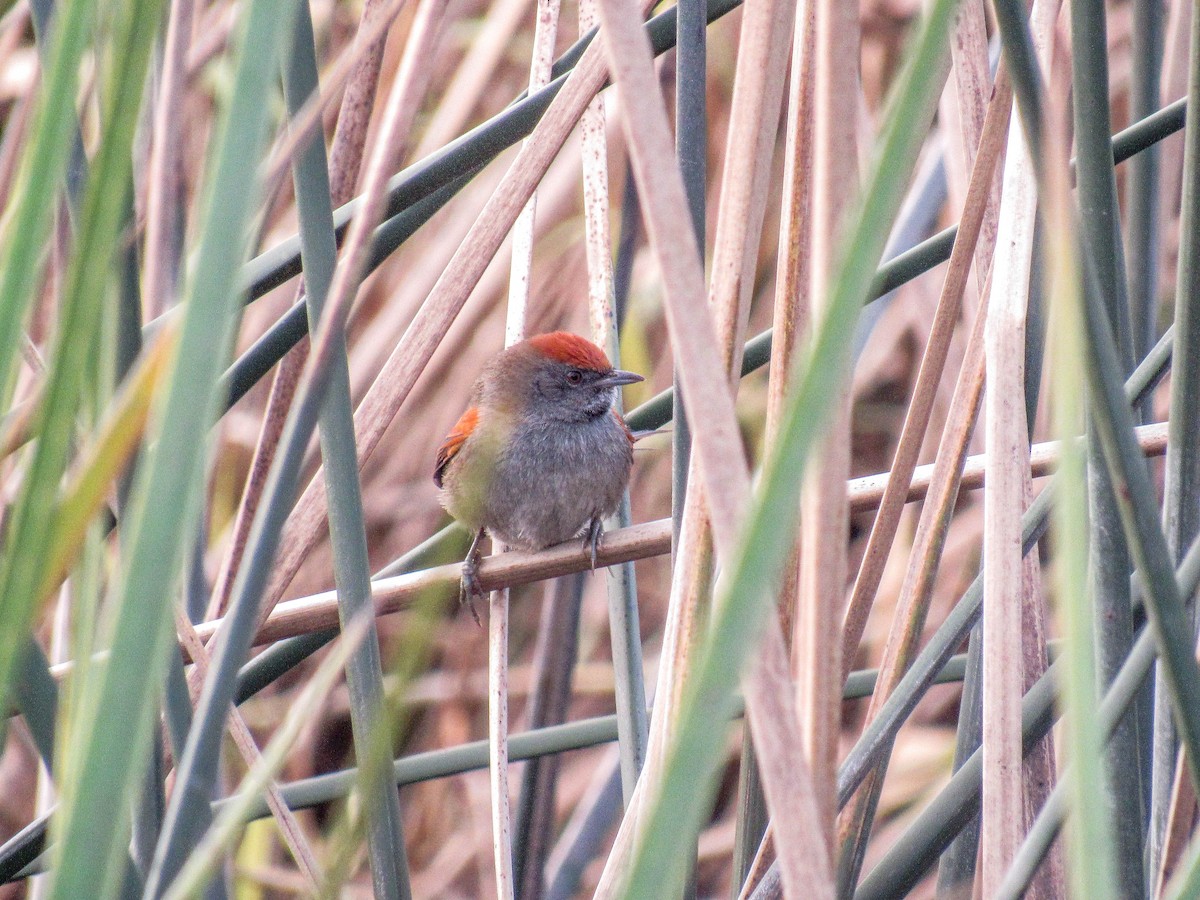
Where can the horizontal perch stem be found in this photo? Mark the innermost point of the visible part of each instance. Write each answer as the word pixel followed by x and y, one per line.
pixel 640 541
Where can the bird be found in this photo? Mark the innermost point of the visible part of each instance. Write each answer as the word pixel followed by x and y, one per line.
pixel 541 456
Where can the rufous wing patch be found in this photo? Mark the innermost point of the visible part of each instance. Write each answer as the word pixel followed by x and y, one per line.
pixel 624 427
pixel 453 443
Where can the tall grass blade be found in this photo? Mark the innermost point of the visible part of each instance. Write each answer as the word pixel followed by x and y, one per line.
pixel 1091 860
pixel 364 676
pixel 1109 562
pixel 200 864
pixel 751 576
pixel 114 738
pixel 44 165
pixel 1180 514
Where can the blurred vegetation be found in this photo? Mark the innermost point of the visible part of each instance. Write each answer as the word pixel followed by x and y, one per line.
pixel 161 191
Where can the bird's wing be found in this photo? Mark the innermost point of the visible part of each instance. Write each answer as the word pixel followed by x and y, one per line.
pixel 624 427
pixel 453 443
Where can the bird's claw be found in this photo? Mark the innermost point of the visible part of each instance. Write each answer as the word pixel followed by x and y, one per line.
pixel 591 540
pixel 469 587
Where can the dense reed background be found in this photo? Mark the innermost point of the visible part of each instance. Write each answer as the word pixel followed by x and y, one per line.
pixel 938 243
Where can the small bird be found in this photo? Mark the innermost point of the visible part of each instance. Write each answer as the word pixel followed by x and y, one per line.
pixel 540 456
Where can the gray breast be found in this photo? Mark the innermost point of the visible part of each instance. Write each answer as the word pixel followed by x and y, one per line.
pixel 555 478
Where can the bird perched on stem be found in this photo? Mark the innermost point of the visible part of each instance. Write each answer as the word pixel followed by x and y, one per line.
pixel 540 456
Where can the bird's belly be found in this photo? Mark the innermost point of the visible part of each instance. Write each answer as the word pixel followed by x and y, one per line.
pixel 540 496
pixel 533 522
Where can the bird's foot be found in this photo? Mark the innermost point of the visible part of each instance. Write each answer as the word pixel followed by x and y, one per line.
pixel 591 538
pixel 469 587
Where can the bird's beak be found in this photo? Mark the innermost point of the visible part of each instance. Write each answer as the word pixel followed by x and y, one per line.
pixel 616 378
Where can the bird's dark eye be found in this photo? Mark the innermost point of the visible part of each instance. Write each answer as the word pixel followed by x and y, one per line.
pixel 574 376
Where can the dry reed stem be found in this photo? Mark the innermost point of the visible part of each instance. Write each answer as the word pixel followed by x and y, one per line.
pixel 423 262
pixel 975 78
pixel 210 36
pixel 642 541
pixel 597 234
pixel 716 441
pixel 285 819
pixel 790 312
pixel 624 626
pixel 1170 151
pixel 972 86
pixel 973 81
pixel 799 838
pixel 764 858
pixel 929 376
pixel 1003 813
pixel 17 121
pixel 1002 800
pixel 763 49
pixel 545 32
pixel 1181 817
pixel 763 52
pixel 824 516
pixel 908 616
pixel 279 403
pixel 962 109
pixel 1180 821
pixel 398 115
pixel 717 457
pixel 758 90
pixel 683 625
pixel 972 76
pixel 950 473
pixel 475 70
pixel 164 170
pixel 1039 767
pixel 362 60
pixel 365 64
pixel 498 743
pixel 1004 502
pixel 685 620
pixel 414 350
pixel 759 81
